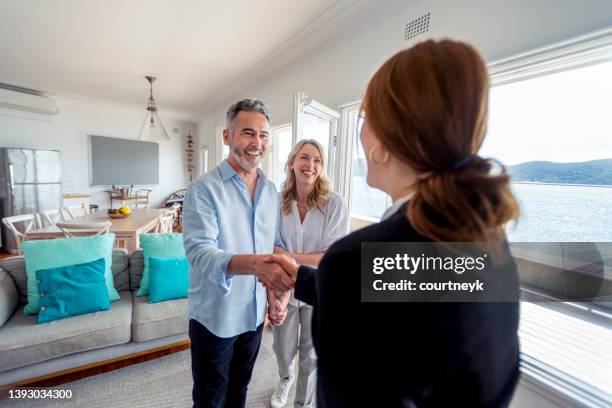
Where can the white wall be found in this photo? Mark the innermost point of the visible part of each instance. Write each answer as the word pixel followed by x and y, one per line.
pixel 338 72
pixel 68 132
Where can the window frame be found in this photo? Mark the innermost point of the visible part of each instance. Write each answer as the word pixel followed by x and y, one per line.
pixel 345 146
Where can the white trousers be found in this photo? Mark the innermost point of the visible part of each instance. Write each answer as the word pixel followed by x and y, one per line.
pixel 293 336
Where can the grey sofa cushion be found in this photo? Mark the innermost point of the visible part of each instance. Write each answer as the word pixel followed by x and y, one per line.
pixel 9 298
pixel 15 266
pixel 120 269
pixel 24 342
pixel 150 321
pixel 136 268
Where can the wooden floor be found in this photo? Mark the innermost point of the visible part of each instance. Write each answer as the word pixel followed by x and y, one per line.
pixel 4 254
pixel 89 370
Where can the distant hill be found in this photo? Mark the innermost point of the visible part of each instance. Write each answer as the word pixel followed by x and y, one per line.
pixel 597 172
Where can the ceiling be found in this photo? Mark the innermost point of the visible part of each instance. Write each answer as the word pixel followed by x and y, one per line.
pixel 196 48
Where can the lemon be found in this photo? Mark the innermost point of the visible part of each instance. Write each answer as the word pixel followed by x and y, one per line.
pixel 125 210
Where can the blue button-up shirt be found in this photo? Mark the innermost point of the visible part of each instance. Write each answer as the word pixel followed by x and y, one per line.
pixel 220 221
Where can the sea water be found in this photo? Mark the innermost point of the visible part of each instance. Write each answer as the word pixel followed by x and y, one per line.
pixel 549 212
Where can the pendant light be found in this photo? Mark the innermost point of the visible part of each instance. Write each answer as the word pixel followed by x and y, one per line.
pixel 152 128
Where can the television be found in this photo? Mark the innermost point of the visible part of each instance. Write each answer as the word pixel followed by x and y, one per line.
pixel 123 161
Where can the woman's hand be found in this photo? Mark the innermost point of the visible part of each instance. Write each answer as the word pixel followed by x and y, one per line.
pixel 277 307
pixel 276 313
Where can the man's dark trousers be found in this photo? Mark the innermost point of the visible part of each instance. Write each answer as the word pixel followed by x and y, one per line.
pixel 221 367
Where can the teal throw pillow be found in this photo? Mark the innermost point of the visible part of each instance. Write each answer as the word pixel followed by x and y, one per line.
pixel 169 278
pixel 71 290
pixel 162 246
pixel 55 253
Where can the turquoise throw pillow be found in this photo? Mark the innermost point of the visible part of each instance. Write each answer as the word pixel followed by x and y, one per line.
pixel 161 246
pixel 54 253
pixel 72 290
pixel 169 278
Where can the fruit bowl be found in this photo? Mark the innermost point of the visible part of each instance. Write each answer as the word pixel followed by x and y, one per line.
pixel 117 215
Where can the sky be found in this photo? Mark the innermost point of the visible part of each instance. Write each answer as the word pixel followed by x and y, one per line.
pixel 562 117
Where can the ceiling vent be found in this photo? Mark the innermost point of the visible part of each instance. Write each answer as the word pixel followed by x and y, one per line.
pixel 417 27
pixel 13 99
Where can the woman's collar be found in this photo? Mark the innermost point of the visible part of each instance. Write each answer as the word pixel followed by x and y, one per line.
pixel 396 206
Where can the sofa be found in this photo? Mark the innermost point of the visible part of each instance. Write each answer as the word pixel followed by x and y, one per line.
pixel 132 325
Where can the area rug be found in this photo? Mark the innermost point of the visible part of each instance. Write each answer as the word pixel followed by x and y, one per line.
pixel 164 382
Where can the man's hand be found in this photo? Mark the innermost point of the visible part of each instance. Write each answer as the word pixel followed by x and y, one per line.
pixel 272 275
pixel 289 265
pixel 279 250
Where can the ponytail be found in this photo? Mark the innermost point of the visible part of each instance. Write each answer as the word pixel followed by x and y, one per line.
pixel 466 204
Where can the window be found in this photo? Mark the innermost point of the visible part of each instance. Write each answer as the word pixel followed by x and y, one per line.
pixel 222 150
pixel 365 201
pixel 549 124
pixel 554 134
pixel 203 160
pixel 281 147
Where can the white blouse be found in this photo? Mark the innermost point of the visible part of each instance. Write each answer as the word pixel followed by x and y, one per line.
pixel 320 229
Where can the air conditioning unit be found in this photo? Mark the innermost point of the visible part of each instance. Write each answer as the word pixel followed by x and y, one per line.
pixel 27 102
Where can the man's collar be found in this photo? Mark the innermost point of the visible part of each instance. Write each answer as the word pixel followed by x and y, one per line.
pixel 227 172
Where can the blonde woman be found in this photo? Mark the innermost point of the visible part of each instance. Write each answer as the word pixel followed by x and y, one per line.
pixel 311 219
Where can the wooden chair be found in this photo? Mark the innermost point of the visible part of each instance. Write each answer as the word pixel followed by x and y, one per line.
pixel 142 196
pixel 89 229
pixel 176 200
pixel 164 224
pixel 121 243
pixel 28 220
pixel 73 211
pixel 49 217
pixel 173 212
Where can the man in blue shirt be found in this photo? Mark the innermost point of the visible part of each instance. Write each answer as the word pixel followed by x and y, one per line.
pixel 230 221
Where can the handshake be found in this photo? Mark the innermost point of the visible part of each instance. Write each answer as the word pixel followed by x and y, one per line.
pixel 277 273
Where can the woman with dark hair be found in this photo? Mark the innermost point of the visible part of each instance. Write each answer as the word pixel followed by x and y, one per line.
pixel 423 121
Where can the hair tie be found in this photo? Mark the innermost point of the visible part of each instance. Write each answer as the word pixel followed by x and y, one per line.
pixel 463 162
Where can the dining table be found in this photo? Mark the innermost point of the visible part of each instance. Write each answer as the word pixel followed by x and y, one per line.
pixel 125 229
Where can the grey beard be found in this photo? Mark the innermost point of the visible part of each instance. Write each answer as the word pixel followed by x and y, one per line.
pixel 243 163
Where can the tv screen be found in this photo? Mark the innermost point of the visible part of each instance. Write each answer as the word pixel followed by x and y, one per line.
pixel 123 162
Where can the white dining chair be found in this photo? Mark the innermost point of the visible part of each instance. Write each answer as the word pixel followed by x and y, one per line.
pixel 28 221
pixel 78 230
pixel 121 243
pixel 173 211
pixel 164 223
pixel 49 217
pixel 71 212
